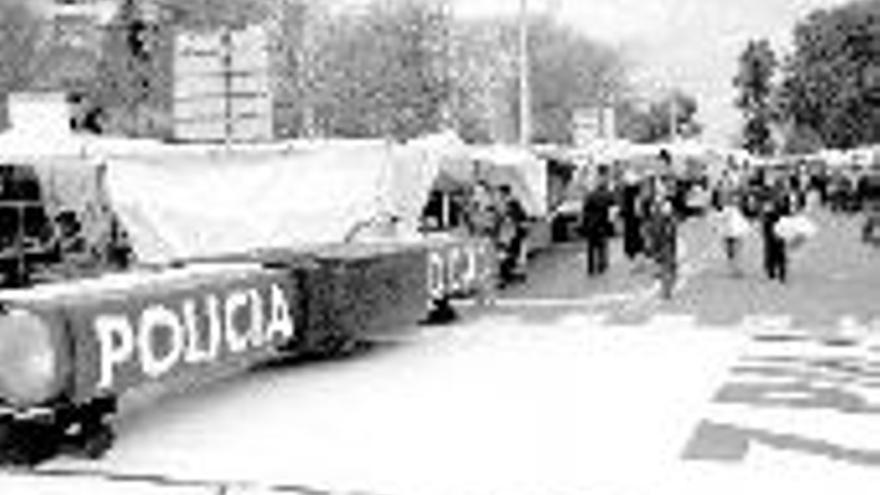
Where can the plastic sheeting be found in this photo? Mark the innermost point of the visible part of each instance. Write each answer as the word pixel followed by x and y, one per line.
pixel 523 171
pixel 193 205
pixel 69 177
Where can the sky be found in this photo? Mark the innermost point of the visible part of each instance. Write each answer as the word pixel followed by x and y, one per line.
pixel 690 44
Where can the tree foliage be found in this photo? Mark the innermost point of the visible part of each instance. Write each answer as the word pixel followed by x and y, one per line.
pixel 755 82
pixel 19 44
pixel 568 72
pixel 405 67
pixel 386 73
pixel 654 122
pixel 134 81
pixel 390 68
pixel 831 85
pixel 207 14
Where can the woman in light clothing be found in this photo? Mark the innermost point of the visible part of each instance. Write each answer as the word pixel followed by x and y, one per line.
pixel 733 228
pixel 732 223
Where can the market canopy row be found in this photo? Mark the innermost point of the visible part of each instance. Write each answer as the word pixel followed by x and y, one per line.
pixel 194 201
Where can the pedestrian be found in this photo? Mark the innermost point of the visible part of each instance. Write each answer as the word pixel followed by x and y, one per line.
pixel 511 235
pixel 632 217
pixel 597 227
pixel 663 231
pixel 734 227
pixel 775 252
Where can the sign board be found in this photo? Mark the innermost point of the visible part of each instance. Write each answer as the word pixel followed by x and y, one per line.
pixel 592 124
pixel 609 123
pixel 222 86
pixel 193 88
pixel 197 45
pixel 200 109
pixel 586 124
pixel 254 84
pixel 252 129
pixel 250 107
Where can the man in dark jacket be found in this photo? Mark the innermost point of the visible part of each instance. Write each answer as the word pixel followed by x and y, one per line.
pixel 776 206
pixel 512 234
pixel 597 226
pixel 632 218
pixel 662 233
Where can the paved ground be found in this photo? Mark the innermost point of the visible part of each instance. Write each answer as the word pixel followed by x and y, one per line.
pixel 567 386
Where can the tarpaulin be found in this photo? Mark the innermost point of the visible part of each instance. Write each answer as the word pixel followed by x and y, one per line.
pixel 523 171
pixel 191 205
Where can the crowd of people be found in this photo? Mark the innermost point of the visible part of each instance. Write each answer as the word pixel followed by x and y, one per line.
pixel 646 211
pixel 487 211
pixel 649 210
pixel 645 208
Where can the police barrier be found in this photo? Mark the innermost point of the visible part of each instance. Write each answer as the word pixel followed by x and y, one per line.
pixel 114 334
pixel 117 333
pixel 460 267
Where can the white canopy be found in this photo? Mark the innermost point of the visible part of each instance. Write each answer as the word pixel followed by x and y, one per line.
pixel 27 147
pixel 180 202
pixel 519 168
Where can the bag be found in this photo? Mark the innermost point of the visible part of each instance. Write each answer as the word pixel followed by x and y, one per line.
pixel 733 224
pixel 795 229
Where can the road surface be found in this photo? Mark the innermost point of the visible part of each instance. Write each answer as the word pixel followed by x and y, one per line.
pixel 568 385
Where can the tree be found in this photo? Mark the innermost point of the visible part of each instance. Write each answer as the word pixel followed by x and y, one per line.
pixel 754 80
pixel 133 88
pixel 209 14
pixel 382 71
pixel 654 122
pixel 19 44
pixel 568 72
pixel 831 84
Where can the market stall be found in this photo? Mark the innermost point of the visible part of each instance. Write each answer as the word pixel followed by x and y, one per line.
pixel 527 174
pixel 47 175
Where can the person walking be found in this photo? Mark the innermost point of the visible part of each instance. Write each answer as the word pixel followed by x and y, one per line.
pixel 631 216
pixel 511 235
pixel 597 226
pixel 663 232
pixel 734 228
pixel 732 223
pixel 775 253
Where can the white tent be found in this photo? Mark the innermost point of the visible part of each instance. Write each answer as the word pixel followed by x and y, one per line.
pixel 40 130
pixel 69 174
pixel 193 201
pixel 521 169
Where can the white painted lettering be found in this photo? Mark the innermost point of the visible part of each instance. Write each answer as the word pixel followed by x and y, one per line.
pixel 196 351
pixel 470 274
pixel 280 322
pixel 165 338
pixel 116 341
pixel 436 283
pixel 236 341
pixel 455 272
pixel 154 319
pixel 257 324
pixel 215 325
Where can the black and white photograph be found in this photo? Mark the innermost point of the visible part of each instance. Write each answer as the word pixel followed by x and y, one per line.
pixel 439 247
